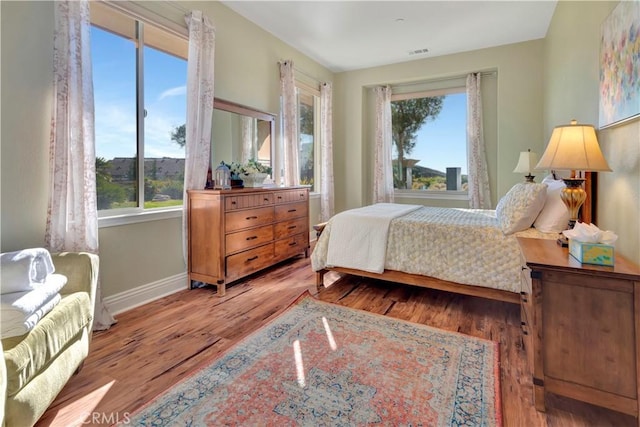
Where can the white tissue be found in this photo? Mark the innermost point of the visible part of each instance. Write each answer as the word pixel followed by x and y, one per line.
pixel 589 233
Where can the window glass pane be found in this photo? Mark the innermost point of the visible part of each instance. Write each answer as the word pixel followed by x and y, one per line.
pixel 164 127
pixel 114 86
pixel 307 116
pixel 429 143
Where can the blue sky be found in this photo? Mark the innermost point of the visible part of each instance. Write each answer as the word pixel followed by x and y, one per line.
pixel 443 143
pixel 114 97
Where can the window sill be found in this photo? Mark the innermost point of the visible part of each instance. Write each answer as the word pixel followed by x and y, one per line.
pixel 433 195
pixel 142 216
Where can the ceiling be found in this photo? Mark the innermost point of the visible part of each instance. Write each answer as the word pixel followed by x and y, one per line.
pixel 350 35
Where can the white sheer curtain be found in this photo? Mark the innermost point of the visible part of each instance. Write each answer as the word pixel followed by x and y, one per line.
pixel 383 170
pixel 326 152
pixel 247 133
pixel 72 214
pixel 478 178
pixel 200 69
pixel 289 124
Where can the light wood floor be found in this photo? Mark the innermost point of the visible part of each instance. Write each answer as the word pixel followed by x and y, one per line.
pixel 154 346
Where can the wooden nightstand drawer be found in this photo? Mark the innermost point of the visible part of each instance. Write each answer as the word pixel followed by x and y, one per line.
pixel 246 239
pixel 249 218
pixel 247 262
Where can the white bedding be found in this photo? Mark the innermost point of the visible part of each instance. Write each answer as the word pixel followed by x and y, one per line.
pixel 362 247
pixel 459 245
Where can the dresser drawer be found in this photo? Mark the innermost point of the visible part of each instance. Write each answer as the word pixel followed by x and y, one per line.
pixel 285 248
pixel 249 261
pixel 288 196
pixel 247 201
pixel 291 210
pixel 289 228
pixel 246 239
pixel 248 218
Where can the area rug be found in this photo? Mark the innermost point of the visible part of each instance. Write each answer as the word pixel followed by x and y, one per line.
pixel 321 364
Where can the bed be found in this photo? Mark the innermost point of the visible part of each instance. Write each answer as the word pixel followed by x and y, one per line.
pixel 467 251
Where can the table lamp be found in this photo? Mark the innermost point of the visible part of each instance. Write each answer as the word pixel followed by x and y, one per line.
pixel 573 147
pixel 527 163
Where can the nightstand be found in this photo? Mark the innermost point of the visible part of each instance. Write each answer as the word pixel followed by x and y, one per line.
pixel 581 326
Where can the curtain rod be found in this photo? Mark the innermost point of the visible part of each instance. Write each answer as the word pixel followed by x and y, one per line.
pixel 297 70
pixel 443 79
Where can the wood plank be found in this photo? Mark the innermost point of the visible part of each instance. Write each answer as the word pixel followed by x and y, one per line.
pixel 156 345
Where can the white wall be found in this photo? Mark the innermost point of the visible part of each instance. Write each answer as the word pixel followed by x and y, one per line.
pixel 516 128
pixel 571 91
pixel 134 255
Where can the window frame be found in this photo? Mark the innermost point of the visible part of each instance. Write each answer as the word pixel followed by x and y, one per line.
pixel 428 89
pixel 313 91
pixel 164 31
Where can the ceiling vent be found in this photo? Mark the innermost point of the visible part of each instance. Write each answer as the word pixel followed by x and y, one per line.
pixel 418 51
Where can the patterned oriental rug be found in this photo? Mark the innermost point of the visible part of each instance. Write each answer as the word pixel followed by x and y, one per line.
pixel 321 364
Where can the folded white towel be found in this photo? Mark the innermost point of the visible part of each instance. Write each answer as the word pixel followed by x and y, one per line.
pixel 19 326
pixel 19 305
pixel 24 270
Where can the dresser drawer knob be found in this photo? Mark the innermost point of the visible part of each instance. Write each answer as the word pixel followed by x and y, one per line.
pixel 252 238
pixel 293 243
pixel 253 258
pixel 523 323
pixel 525 332
pixel 251 217
pixel 291 227
pixel 266 199
pixel 292 210
pixel 233 203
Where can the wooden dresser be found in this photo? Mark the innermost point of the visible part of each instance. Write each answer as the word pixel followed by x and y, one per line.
pixel 581 325
pixel 234 233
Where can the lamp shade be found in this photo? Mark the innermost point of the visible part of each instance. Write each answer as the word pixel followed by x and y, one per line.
pixel 527 162
pixel 573 147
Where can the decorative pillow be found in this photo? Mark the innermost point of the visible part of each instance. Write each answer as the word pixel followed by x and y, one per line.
pixel 554 216
pixel 517 210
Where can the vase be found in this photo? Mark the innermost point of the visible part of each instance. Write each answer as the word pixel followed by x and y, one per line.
pixel 254 180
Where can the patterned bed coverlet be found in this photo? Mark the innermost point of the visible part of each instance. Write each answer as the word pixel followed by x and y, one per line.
pixel 459 245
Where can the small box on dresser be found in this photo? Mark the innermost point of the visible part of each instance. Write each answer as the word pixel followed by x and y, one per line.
pixel 582 326
pixel 234 233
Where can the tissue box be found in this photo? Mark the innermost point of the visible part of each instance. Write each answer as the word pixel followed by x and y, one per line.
pixel 591 253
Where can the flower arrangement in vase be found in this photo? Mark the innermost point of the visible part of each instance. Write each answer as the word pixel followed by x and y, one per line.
pixel 252 173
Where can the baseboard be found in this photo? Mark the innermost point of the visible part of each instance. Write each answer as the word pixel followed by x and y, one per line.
pixel 146 293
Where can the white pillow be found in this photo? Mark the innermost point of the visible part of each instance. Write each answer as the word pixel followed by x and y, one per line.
pixel 517 210
pixel 554 216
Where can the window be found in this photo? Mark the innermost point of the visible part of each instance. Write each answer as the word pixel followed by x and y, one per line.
pixel 308 102
pixel 429 139
pixel 139 78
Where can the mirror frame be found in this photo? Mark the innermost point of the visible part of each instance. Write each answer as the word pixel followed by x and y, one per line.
pixel 232 107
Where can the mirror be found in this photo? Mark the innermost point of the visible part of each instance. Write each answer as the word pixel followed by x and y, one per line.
pixel 241 133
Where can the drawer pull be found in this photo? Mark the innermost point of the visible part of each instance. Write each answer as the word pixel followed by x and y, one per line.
pixel 291 227
pixel 523 323
pixel 251 217
pixel 253 258
pixel 252 238
pixel 523 293
pixel 233 203
pixel 292 210
pixel 525 300
pixel 266 199
pixel 279 197
pixel 525 332
pixel 293 243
